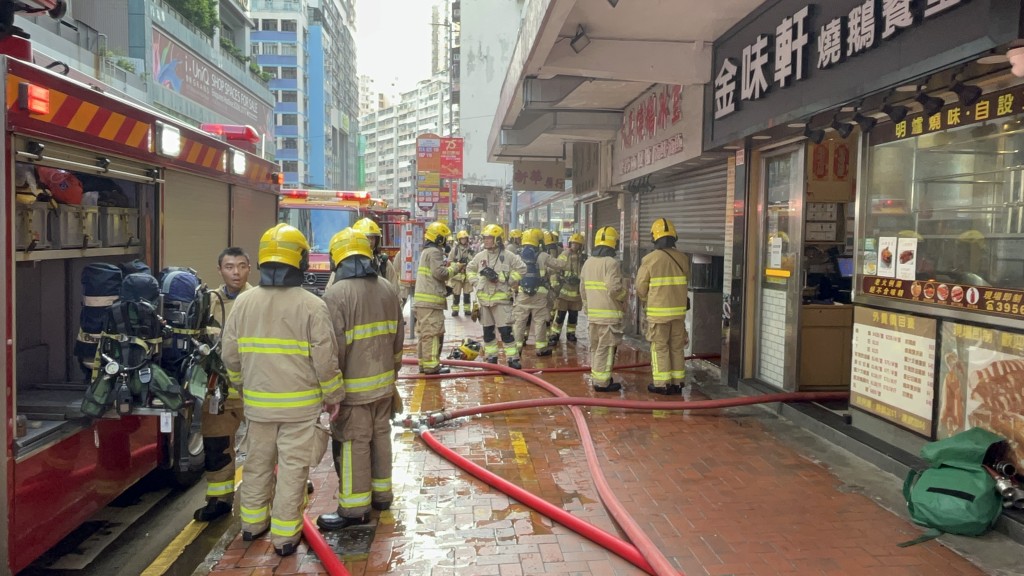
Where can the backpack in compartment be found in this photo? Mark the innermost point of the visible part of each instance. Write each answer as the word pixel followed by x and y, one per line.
pixel 101 287
pixel 184 312
pixel 64 186
pixel 135 267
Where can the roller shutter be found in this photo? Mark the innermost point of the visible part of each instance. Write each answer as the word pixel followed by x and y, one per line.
pixel 196 223
pixel 252 213
pixel 604 213
pixel 695 203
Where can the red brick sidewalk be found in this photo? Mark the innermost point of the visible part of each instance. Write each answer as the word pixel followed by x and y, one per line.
pixel 717 492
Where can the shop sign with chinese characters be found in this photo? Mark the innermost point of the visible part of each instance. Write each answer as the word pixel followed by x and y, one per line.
pixel 893 367
pixel 660 128
pixel 991 106
pixel 839 50
pixel 538 175
pixel 998 301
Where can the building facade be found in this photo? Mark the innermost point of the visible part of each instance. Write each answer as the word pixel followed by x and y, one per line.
pixel 143 48
pixel 391 139
pixel 309 49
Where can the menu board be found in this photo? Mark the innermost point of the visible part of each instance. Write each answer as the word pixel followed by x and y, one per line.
pixel 893 367
pixel 999 301
pixel 981 383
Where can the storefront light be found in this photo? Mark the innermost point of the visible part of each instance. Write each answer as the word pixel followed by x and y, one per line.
pixel 813 135
pixel 237 162
pixel 168 140
pixel 866 123
pixel 895 112
pixel 842 128
pixel 930 104
pixel 968 95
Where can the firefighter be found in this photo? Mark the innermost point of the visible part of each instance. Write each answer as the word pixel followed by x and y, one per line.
pixel 370 330
pixel 462 254
pixel 532 304
pixel 661 284
pixel 430 298
pixel 382 264
pixel 515 241
pixel 494 272
pixel 604 298
pixel 279 341
pixel 219 429
pixel 569 303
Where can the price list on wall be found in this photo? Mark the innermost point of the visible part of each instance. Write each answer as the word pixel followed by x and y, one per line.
pixel 893 367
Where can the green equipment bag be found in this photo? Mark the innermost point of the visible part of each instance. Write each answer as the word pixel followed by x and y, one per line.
pixel 166 389
pixel 98 397
pixel 956 495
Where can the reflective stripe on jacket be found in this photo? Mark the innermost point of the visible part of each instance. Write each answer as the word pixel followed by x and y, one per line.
pixel 510 268
pixel 430 280
pixel 661 283
pixel 370 329
pixel 281 342
pixel 603 290
pixel 573 264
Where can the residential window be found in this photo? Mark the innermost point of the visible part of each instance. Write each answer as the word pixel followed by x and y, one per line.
pixel 269 25
pixel 288 26
pixel 270 48
pixel 289 96
pixel 289 119
pixel 290 166
pixel 289 50
pixel 272 70
pixel 291 144
pixel 289 73
pixel 255 49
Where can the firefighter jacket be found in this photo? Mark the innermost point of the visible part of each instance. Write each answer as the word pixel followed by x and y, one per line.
pixel 221 296
pixel 368 324
pixel 459 253
pixel 382 261
pixel 281 340
pixel 604 291
pixel 514 248
pixel 547 268
pixel 569 279
pixel 431 278
pixel 509 269
pixel 661 285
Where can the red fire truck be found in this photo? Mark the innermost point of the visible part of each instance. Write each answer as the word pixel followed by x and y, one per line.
pixel 181 196
pixel 321 214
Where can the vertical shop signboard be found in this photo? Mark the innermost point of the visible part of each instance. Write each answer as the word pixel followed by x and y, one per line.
pixel 981 383
pixel 428 170
pixel 451 158
pixel 412 243
pixel 893 367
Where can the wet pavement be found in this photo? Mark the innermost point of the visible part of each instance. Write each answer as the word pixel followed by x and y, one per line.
pixel 733 491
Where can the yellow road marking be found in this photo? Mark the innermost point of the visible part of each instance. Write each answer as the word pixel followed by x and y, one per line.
pixel 416 404
pixel 519 448
pixel 188 535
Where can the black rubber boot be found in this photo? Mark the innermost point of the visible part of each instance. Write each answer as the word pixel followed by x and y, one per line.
pixel 492 359
pixel 214 509
pixel 250 536
pixel 286 550
pixel 546 351
pixel 570 337
pixel 514 363
pixel 663 390
pixel 338 522
pixel 610 386
pixel 441 370
pixel 381 506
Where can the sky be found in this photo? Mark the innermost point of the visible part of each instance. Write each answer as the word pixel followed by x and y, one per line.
pixel 393 42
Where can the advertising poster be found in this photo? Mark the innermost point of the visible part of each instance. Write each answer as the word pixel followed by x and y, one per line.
pixel 981 383
pixel 887 257
pixel 451 158
pixel 893 367
pixel 906 262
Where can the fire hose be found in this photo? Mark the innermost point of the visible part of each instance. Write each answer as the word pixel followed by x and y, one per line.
pixel 642 553
pixel 654 558
pixel 558 370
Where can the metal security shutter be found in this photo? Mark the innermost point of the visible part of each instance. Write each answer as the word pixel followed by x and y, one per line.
pixel 196 222
pixel 695 203
pixel 605 213
pixel 252 214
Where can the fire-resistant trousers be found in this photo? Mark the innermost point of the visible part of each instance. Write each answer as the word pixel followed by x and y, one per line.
pixel 532 318
pixel 604 339
pixel 290 447
pixel 362 456
pixel 430 335
pixel 668 352
pixel 497 315
pixel 460 295
pixel 219 432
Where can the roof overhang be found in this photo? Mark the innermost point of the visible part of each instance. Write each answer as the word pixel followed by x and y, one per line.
pixel 556 84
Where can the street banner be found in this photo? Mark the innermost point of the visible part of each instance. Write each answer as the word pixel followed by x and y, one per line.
pixel 451 158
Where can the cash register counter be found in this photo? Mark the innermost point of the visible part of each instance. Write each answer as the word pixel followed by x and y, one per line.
pixel 826 334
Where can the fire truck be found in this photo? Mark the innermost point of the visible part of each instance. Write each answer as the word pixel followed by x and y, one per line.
pixel 320 214
pixel 177 197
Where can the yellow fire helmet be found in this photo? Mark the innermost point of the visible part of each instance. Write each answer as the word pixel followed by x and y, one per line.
pixel 437 232
pixel 367 226
pixel 347 243
pixel 515 233
pixel 661 228
pixel 469 349
pixel 576 238
pixel 284 244
pixel 607 236
pixel 494 231
pixel 532 237
pixel 550 239
pixel 462 234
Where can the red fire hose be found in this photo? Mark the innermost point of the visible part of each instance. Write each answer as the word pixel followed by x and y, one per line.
pixel 560 369
pixel 316 541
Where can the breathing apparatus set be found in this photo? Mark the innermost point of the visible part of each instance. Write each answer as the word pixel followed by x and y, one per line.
pixel 155 348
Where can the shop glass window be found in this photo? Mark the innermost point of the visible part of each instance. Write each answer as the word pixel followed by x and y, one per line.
pixel 960 193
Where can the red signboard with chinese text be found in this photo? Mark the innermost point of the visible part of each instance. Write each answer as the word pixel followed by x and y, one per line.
pixel 451 158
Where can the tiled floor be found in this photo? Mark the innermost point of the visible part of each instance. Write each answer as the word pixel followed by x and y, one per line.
pixel 716 491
